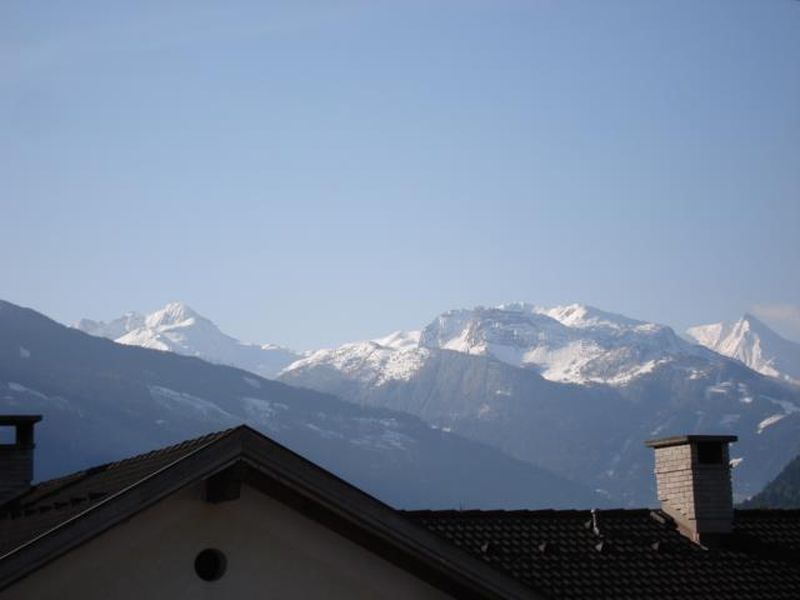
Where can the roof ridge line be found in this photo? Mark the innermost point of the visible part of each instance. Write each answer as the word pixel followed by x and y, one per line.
pixel 222 435
pixel 521 511
pixel 82 475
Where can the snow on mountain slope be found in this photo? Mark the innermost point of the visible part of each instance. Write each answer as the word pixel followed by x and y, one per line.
pixel 580 316
pixel 396 356
pixel 752 342
pixel 571 388
pixel 113 329
pixel 102 401
pixel 570 344
pixel 399 339
pixel 177 328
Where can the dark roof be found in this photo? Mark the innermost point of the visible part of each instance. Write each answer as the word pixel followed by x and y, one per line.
pixel 58 515
pixel 54 502
pixel 472 554
pixel 628 553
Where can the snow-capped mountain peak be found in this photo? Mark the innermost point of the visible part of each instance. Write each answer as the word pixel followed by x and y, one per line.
pixel 581 316
pixel 497 374
pixel 178 328
pixel 750 341
pixel 399 339
pixel 573 343
pixel 174 313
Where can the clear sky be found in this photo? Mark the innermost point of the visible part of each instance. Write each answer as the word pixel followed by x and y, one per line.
pixel 310 173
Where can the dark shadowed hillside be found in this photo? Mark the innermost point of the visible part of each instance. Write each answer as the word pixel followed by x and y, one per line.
pixel 781 492
pixel 102 401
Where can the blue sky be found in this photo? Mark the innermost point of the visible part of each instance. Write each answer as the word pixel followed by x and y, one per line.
pixel 310 173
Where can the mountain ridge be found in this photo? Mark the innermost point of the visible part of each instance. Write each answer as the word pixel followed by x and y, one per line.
pixel 521 380
pixel 527 379
pixel 103 401
pixel 752 342
pixel 178 328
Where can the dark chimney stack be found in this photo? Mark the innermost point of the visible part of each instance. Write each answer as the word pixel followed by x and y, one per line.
pixel 16 459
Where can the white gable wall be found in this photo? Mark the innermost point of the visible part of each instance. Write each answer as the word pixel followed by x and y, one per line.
pixel 272 552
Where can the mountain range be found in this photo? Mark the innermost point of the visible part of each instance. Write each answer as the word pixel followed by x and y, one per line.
pixel 102 401
pixel 572 389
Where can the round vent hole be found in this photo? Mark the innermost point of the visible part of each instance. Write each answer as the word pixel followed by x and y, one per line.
pixel 210 564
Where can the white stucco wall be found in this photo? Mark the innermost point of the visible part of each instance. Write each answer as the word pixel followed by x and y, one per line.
pixel 272 552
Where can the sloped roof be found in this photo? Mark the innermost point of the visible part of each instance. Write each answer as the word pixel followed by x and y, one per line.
pixel 54 502
pixel 58 515
pixel 473 554
pixel 628 553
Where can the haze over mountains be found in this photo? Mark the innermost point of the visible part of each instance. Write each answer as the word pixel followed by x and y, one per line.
pixel 573 389
pixel 103 401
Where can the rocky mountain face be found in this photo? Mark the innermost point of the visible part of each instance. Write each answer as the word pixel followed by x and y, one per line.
pixel 753 343
pixel 177 328
pixel 569 344
pixel 573 388
pixel 102 401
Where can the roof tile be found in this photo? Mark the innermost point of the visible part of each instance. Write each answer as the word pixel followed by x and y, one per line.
pixel 629 553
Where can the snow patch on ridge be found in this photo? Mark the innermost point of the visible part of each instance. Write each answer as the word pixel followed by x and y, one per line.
pixel 788 409
pixel 263 411
pixel 19 388
pixel 771 420
pixel 183 401
pixel 399 340
pixel 368 362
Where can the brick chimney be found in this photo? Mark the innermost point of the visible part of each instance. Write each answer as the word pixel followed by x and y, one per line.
pixel 693 477
pixel 16 458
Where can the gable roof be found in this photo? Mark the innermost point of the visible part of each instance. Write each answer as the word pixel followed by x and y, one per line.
pixel 470 554
pixel 58 515
pixel 628 553
pixel 52 503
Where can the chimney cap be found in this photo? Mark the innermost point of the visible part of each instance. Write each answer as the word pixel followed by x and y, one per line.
pixel 19 419
pixel 679 440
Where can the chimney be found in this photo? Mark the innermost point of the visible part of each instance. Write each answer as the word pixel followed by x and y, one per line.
pixel 693 477
pixel 16 458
